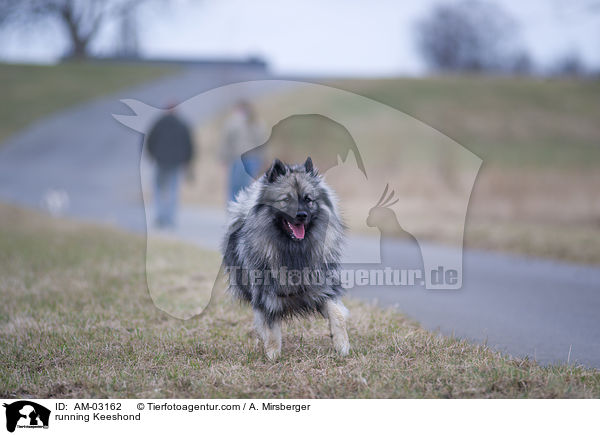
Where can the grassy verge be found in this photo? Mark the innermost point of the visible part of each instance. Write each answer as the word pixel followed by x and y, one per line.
pixel 509 122
pixel 76 321
pixel 32 91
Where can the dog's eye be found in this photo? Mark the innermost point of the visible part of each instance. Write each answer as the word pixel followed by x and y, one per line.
pixel 308 199
pixel 283 201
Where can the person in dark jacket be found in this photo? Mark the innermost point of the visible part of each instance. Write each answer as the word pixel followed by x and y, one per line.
pixel 170 146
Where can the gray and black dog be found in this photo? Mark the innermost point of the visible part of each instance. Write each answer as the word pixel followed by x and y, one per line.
pixel 282 252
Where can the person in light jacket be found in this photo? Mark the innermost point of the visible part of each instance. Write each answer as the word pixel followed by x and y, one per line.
pixel 242 132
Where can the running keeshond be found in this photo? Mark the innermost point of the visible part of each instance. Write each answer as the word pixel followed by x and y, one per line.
pixel 282 252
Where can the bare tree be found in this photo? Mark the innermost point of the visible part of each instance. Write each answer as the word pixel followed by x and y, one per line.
pixel 522 64
pixel 81 19
pixel 570 65
pixel 467 36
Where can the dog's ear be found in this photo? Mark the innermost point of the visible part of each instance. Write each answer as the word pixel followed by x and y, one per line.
pixel 308 165
pixel 277 168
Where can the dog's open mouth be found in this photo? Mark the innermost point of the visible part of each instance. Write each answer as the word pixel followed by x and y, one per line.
pixel 296 231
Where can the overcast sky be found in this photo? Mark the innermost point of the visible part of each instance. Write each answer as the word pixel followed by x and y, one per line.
pixel 336 37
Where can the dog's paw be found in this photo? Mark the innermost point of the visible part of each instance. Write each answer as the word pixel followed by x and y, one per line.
pixel 272 353
pixel 341 345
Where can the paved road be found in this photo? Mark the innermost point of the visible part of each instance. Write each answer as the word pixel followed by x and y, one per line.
pixel 522 306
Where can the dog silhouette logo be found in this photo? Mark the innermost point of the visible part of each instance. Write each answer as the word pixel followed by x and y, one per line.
pixel 26 414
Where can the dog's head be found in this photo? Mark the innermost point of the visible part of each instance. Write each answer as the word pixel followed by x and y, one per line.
pixel 296 197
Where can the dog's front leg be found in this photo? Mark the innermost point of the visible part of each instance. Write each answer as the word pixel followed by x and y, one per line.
pixel 270 335
pixel 336 313
pixel 273 341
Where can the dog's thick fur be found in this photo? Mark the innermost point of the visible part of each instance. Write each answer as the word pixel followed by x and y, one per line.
pixel 286 222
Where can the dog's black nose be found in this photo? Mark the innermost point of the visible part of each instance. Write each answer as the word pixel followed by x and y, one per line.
pixel 301 216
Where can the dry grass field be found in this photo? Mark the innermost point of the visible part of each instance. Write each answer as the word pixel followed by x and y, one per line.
pixel 77 321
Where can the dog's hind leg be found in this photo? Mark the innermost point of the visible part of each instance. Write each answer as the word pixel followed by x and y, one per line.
pixel 270 335
pixel 336 313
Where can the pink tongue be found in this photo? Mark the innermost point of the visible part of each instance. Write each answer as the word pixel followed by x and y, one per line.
pixel 298 230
